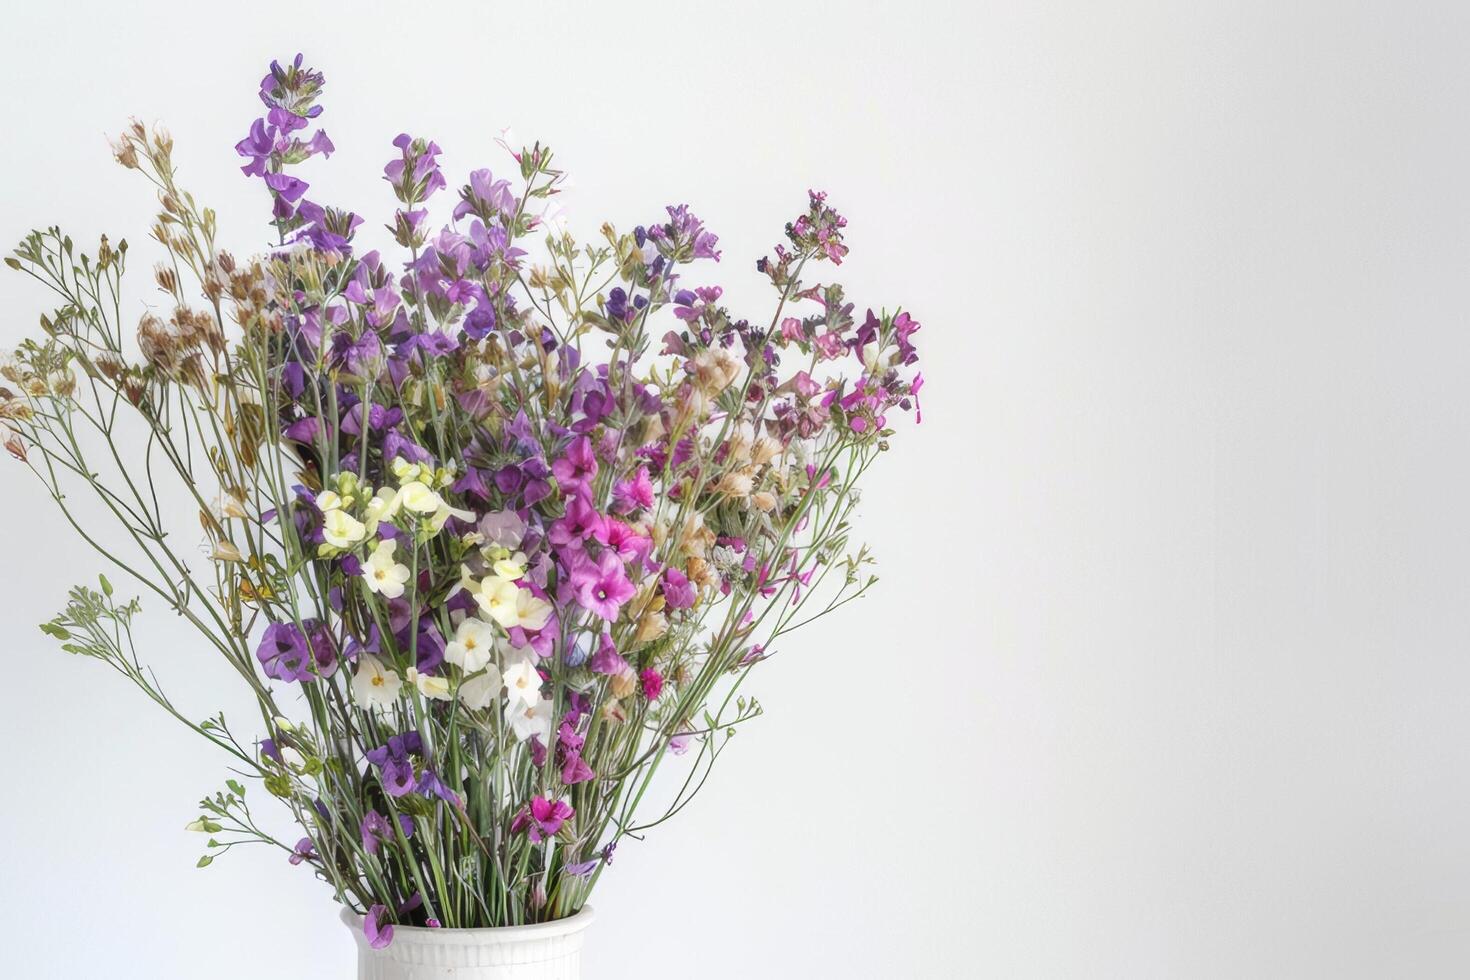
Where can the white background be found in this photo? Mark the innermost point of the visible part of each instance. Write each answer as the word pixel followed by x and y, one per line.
pixel 1167 675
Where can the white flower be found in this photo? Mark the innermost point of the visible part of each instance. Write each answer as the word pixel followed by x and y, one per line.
pixel 417 497
pixel 430 686
pixel 374 684
pixel 528 720
pixel 554 218
pixel 473 645
pixel 341 530
pixel 523 683
pixel 482 690
pixel 384 575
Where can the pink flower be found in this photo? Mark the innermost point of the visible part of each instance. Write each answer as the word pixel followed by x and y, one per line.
pixel 634 493
pixel 653 683
pixel 542 819
pixel 602 586
pixel 581 521
pixel 628 543
pixel 575 470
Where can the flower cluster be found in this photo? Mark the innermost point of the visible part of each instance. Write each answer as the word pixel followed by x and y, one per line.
pixel 484 551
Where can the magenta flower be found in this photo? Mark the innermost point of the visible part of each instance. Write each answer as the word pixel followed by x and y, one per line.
pixel 626 542
pixel 602 586
pixel 635 493
pixel 542 819
pixel 679 592
pixel 653 683
pixel 575 470
pixel 581 522
pixel 607 660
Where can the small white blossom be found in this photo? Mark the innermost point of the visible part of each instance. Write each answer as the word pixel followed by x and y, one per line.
pixel 383 574
pixel 528 720
pixel 473 645
pixel 523 683
pixel 341 530
pixel 481 690
pixel 374 684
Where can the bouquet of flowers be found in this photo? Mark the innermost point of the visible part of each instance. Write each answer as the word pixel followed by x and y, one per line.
pixel 486 553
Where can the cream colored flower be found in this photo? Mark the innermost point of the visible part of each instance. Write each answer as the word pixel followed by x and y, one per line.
pixel 532 612
pixel 497 597
pixel 417 497
pixel 341 530
pixel 473 645
pixel 481 690
pixel 383 574
pixel 430 686
pixel 374 684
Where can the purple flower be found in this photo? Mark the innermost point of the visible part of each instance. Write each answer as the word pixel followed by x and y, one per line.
pixel 415 174
pixel 304 849
pixel 485 197
pixel 376 830
pixel 395 768
pixel 379 934
pixel 283 653
pixel 582 869
pixel 607 660
pixel 430 785
pixel 684 236
pixel 679 592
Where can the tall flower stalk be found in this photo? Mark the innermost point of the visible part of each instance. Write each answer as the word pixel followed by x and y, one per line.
pixel 487 555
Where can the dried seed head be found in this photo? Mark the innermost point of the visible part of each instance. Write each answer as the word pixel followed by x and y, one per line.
pixel 125 152
pixel 167 279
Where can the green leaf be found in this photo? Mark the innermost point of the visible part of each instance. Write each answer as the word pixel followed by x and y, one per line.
pixel 235 787
pixel 53 629
pixel 205 861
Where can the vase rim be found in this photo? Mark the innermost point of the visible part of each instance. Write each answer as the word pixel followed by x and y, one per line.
pixel 564 926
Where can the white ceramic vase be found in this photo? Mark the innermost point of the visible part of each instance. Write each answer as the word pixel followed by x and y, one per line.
pixel 546 951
